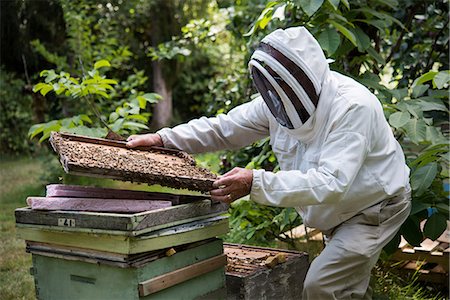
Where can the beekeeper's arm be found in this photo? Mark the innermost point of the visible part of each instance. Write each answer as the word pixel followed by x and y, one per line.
pixel 341 158
pixel 243 125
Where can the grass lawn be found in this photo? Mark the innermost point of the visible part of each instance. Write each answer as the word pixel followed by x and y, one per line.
pixel 19 178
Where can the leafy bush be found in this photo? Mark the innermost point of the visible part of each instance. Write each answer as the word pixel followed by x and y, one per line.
pixel 15 114
pixel 93 88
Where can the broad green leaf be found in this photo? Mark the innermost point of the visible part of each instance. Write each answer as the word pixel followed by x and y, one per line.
pixel 417 207
pixel 441 79
pixel 268 8
pixel 392 246
pixel 117 125
pixel 266 19
pixel 424 78
pixel 44 91
pixel 152 97
pixel 399 119
pixel 142 101
pixel 379 59
pixel 39 86
pixel 329 40
pixel 86 118
pixel 435 135
pixel 362 39
pixel 419 90
pixel 109 81
pixel 121 111
pixel 113 117
pixel 138 118
pixel 334 3
pixel 35 130
pixel 101 63
pixel 347 33
pixel 346 3
pixel 43 73
pixel 443 208
pixel 391 3
pixel 423 177
pixel 414 109
pixel 399 94
pixel 415 130
pixel 430 103
pixel 87 131
pixel 411 232
pixel 379 24
pixel 134 125
pixel 435 226
pixel 52 126
pixel 50 76
pixel 310 6
pixel 380 15
pixel 67 122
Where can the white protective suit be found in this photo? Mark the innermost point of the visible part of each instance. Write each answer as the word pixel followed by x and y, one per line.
pixel 342 160
pixel 341 167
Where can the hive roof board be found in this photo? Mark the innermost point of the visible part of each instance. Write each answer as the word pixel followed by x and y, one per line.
pixel 95 157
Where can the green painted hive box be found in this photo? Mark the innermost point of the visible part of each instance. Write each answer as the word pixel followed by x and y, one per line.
pixel 196 271
pixel 119 242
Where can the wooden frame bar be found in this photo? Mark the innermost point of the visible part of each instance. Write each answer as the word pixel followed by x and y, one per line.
pixel 167 280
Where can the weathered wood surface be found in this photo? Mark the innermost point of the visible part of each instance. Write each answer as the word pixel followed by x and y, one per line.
pixel 249 276
pixel 430 260
pixel 122 224
pixel 62 190
pixel 95 204
pixel 160 239
pixel 170 279
pixel 79 191
pixel 92 157
pixel 109 258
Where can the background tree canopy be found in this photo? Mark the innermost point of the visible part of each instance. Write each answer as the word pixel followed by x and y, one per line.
pixel 132 66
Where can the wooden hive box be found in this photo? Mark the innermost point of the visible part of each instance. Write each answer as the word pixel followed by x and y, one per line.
pixel 194 271
pixel 190 219
pixel 184 209
pixel 122 242
pixel 264 273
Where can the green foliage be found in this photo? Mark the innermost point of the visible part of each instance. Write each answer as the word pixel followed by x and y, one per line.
pixel 128 116
pixel 16 114
pixel 418 114
pixel 256 224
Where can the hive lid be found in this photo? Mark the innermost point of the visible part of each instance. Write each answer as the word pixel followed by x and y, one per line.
pixel 95 157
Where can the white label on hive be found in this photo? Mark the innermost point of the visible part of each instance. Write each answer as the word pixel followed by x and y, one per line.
pixel 66 222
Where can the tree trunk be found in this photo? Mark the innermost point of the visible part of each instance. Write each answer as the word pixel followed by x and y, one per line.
pixel 162 28
pixel 162 111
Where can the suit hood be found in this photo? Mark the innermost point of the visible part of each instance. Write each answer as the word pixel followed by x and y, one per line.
pixel 292 74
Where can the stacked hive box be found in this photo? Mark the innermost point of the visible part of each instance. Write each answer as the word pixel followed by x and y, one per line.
pixel 92 243
pixel 165 253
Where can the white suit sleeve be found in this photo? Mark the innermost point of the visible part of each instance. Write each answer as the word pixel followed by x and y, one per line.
pixel 341 157
pixel 240 127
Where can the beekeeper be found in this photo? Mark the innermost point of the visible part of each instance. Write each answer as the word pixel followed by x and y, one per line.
pixel 341 167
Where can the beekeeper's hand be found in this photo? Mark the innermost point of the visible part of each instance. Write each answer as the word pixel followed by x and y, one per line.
pixel 232 185
pixel 149 139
